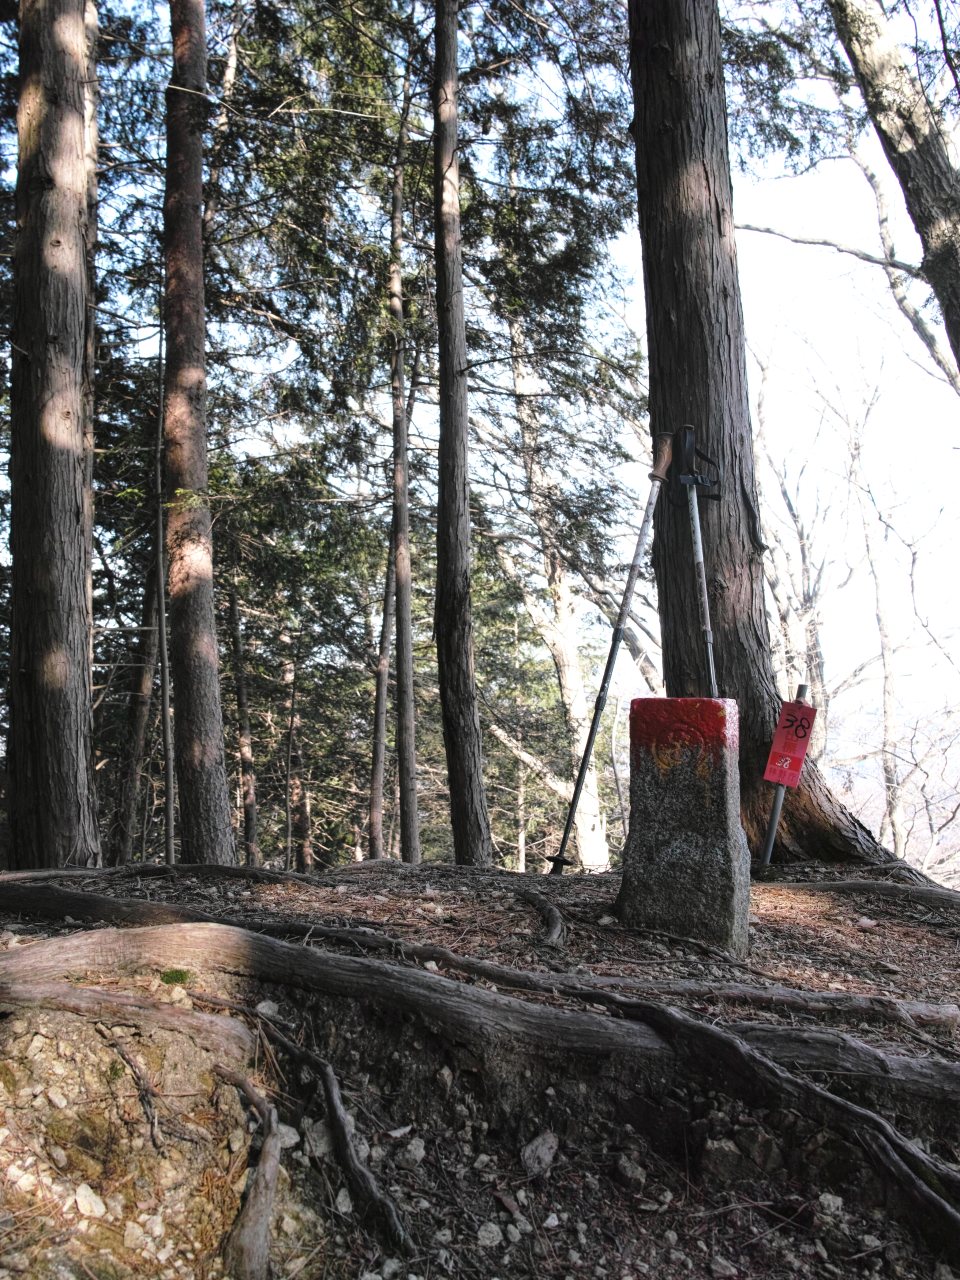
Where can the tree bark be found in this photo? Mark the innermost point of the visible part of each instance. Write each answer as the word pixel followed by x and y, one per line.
pixel 139 699
pixel 698 377
pixel 381 694
pixel 915 143
pixel 248 772
pixel 453 617
pixel 205 830
pixel 53 818
pixel 403 592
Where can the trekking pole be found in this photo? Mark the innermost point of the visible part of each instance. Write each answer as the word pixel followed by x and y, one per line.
pixel 686 474
pixel 662 453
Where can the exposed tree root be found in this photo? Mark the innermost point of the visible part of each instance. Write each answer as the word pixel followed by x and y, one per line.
pixel 146 1091
pixel 246 1251
pixel 361 1181
pixel 900 1079
pixel 363 1185
pixel 556 929
pixel 504 1037
pixel 926 895
pixel 224 1036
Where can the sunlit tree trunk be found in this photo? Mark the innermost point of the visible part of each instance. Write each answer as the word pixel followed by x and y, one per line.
pixel 205 829
pixel 53 816
pixel 453 618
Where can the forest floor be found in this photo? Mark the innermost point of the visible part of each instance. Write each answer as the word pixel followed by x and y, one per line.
pixel 441 1072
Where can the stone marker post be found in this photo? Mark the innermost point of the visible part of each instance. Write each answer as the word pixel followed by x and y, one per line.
pixel 686 865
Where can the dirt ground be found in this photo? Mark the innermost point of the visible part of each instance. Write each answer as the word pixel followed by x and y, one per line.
pixel 123 1152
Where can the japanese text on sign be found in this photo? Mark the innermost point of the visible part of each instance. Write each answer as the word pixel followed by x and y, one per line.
pixel 790 741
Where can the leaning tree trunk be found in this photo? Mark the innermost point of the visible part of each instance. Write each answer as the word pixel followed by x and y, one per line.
pixel 698 377
pixel 453 619
pixel 915 142
pixel 53 812
pixel 205 831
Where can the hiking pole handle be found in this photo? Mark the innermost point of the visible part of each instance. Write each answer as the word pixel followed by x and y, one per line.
pixel 662 455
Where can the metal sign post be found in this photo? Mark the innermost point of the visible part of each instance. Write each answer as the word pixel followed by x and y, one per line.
pixel 790 741
pixel 662 452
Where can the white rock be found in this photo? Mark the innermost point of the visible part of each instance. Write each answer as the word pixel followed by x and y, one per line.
pixel 36 1047
pixel 551 1221
pixel 391 1268
pixel 288 1226
pixel 289 1137
pixel 722 1269
pixel 605 920
pixel 344 1201
pixel 831 1203
pixel 431 966
pixel 154 1226
pixel 413 1154
pixel 89 1203
pixel 489 1236
pixel 443 1236
pixel 57 1098
pixel 133 1236
pixel 268 1008
pixel 537 1156
pixel 513 1235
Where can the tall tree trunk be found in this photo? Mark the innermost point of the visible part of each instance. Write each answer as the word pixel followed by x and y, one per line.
pixel 53 816
pixel 914 140
pixel 91 145
pixel 406 708
pixel 453 619
pixel 380 698
pixel 163 656
pixel 248 773
pixel 698 376
pixel 205 830
pixel 139 699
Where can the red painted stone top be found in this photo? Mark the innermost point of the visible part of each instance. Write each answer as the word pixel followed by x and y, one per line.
pixel 694 723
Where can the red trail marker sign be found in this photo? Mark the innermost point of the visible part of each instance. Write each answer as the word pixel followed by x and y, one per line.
pixel 790 741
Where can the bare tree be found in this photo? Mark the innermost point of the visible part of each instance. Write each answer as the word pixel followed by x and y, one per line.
pixel 914 141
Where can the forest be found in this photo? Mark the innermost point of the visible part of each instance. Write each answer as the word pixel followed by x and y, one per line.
pixel 293 453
